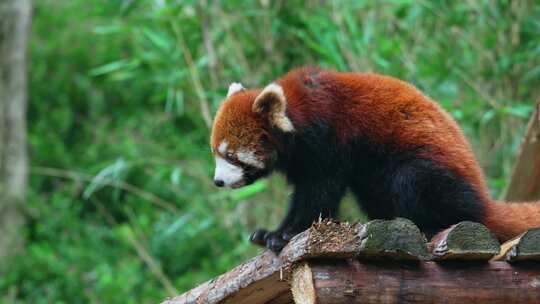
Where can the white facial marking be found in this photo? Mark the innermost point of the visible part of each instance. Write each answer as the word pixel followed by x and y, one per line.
pixel 248 157
pixel 230 174
pixel 222 148
pixel 234 88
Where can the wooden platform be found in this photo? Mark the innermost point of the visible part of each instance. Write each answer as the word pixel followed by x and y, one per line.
pixel 381 262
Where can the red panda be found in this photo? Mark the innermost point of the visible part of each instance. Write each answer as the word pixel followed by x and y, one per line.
pixel 396 150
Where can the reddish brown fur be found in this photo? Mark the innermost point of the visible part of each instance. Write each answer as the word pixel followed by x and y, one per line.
pixel 387 111
pixel 236 122
pixel 508 220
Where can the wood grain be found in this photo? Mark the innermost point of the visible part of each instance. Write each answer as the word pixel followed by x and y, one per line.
pixel 353 281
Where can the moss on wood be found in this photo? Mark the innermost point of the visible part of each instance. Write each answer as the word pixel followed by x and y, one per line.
pixel 528 247
pixel 465 241
pixel 396 239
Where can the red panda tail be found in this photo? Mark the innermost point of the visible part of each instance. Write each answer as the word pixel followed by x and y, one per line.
pixel 508 220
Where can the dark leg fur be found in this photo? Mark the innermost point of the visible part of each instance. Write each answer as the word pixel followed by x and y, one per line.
pixel 317 168
pixel 417 189
pixel 387 185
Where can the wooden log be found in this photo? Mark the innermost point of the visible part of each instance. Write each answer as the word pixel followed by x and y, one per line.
pixel 302 287
pixel 505 248
pixel 465 241
pixel 263 279
pixel 397 239
pixel 354 281
pixel 525 181
pixel 325 239
pixel 527 248
pixel 256 281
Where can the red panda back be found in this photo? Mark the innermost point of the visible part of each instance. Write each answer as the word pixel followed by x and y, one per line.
pixel 387 111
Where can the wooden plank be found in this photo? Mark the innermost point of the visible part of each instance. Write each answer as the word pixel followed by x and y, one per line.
pixel 263 279
pixel 354 281
pixel 325 239
pixel 525 181
pixel 465 241
pixel 248 281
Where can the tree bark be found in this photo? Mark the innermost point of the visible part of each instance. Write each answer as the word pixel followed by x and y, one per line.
pixel 15 19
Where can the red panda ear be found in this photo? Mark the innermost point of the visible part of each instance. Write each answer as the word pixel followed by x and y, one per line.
pixel 272 103
pixel 235 87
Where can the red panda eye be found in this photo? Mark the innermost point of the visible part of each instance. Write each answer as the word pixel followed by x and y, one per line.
pixel 229 155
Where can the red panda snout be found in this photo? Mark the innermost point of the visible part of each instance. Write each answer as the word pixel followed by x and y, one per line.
pixel 238 167
pixel 228 174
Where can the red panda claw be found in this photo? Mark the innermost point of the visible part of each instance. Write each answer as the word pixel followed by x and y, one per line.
pixel 258 237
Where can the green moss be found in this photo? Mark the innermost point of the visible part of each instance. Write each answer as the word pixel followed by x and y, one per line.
pixel 528 247
pixel 472 237
pixel 399 239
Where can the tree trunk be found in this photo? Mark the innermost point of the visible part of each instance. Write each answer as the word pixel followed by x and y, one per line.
pixel 15 17
pixel 524 184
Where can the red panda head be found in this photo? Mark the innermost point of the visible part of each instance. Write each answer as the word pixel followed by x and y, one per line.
pixel 242 132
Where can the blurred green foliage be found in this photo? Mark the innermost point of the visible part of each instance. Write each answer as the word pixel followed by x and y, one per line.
pixel 121 207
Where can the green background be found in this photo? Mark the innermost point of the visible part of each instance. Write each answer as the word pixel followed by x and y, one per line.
pixel 121 207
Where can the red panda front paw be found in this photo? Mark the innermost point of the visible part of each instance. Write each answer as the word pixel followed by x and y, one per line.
pixel 288 234
pixel 273 240
pixel 258 237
